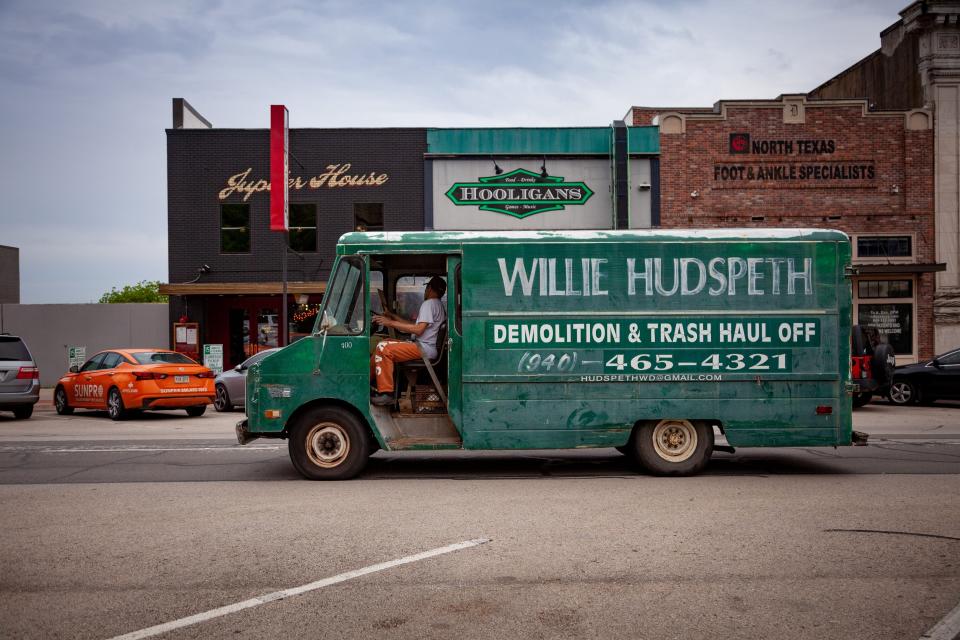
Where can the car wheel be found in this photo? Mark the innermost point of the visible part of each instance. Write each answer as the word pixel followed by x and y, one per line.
pixel 60 402
pixel 222 400
pixel 328 443
pixel 196 412
pixel 115 405
pixel 902 392
pixel 23 412
pixel 861 399
pixel 673 447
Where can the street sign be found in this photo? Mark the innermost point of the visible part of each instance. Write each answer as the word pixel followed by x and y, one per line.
pixel 279 168
pixel 213 357
pixel 76 356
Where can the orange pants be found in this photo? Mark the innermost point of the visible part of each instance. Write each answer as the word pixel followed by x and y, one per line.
pixel 385 356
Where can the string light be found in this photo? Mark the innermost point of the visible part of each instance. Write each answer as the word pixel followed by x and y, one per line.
pixel 305 312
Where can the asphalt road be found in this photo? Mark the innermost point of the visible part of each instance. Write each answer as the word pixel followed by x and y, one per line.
pixel 110 528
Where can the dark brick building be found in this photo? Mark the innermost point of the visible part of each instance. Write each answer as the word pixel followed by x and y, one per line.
pixel 225 265
pixel 795 162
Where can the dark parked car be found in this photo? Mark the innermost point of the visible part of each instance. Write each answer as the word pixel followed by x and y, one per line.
pixel 19 377
pixel 927 381
pixel 872 363
pixel 232 385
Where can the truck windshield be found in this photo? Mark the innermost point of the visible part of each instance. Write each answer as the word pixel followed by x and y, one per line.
pixel 343 308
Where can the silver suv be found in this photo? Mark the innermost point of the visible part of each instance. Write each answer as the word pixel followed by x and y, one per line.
pixel 19 377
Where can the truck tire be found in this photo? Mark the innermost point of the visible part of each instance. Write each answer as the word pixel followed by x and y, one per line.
pixel 673 447
pixel 328 443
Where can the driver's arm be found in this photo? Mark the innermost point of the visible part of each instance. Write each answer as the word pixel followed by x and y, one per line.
pixel 414 328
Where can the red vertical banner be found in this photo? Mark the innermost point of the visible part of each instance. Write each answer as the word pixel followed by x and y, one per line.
pixel 279 168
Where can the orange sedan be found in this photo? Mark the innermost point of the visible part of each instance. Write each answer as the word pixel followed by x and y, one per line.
pixel 124 380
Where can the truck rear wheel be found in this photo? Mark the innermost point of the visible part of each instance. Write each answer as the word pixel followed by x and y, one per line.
pixel 328 443
pixel 673 447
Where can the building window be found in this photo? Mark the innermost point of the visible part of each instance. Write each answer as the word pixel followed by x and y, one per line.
pixel 892 322
pixel 368 216
pixel 303 228
pixel 884 246
pixel 885 288
pixel 235 228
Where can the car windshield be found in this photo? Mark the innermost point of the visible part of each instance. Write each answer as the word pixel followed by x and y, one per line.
pixel 13 349
pixel 161 357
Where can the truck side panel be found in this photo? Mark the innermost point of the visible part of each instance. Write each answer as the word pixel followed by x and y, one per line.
pixel 581 340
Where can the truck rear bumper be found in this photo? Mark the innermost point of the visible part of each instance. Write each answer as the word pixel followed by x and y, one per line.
pixel 243 434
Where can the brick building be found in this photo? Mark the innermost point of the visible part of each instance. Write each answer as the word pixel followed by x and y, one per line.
pixel 918 65
pixel 796 162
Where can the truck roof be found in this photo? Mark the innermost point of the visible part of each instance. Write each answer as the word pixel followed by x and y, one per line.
pixel 390 241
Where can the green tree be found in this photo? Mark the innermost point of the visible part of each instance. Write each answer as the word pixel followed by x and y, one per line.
pixel 143 291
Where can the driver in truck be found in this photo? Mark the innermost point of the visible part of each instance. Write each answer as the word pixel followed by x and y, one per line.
pixel 423 332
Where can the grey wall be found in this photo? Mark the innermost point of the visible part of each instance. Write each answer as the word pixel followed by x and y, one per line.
pixel 49 329
pixel 9 274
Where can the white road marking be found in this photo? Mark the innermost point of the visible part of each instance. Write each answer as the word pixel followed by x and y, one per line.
pixel 295 591
pixel 946 629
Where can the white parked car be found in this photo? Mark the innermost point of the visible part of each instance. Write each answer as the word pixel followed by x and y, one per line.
pixel 231 386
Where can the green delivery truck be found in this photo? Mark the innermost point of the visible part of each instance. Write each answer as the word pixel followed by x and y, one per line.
pixel 646 341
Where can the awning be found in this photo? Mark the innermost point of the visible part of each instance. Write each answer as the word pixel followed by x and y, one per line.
pixel 240 288
pixel 908 267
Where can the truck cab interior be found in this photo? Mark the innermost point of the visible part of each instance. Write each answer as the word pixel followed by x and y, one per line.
pixel 397 284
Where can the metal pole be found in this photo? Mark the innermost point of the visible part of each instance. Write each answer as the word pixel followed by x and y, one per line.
pixel 283 299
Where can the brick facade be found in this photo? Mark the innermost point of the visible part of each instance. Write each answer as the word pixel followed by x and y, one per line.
pixel 874 174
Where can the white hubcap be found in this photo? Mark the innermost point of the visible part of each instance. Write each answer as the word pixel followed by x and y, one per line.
pixel 327 444
pixel 674 440
pixel 900 392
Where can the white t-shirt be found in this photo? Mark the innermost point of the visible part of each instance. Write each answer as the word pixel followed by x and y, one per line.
pixel 433 312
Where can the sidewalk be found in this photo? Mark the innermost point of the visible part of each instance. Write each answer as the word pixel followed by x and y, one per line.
pixel 881 419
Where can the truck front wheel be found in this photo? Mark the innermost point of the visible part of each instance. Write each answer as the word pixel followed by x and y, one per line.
pixel 328 443
pixel 673 447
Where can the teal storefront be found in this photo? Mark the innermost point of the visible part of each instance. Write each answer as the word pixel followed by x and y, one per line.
pixel 542 178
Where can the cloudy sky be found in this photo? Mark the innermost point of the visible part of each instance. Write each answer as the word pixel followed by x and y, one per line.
pixel 86 90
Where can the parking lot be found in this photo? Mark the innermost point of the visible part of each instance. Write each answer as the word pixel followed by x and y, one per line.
pixel 116 527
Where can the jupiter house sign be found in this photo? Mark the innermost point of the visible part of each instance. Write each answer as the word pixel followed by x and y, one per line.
pixel 519 193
